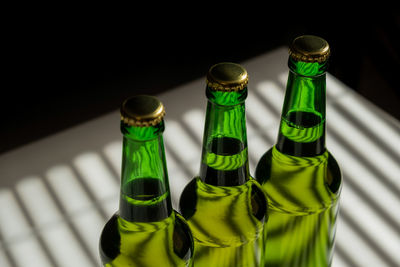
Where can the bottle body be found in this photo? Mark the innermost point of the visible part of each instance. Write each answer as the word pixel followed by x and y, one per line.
pixel 224 206
pixel 303 194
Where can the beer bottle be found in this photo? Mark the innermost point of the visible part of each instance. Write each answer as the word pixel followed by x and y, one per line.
pixel 301 178
pixel 225 207
pixel 146 231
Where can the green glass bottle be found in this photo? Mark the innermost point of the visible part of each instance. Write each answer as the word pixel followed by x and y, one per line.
pixel 146 231
pixel 301 178
pixel 225 207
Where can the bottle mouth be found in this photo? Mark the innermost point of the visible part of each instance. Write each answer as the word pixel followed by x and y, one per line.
pixel 309 48
pixel 142 111
pixel 227 77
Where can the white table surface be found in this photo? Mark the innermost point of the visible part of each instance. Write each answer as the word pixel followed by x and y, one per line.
pixel 57 193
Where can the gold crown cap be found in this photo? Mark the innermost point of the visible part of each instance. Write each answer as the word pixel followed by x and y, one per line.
pixel 142 111
pixel 309 48
pixel 227 77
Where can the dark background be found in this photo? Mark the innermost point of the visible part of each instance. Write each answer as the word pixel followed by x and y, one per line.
pixel 61 70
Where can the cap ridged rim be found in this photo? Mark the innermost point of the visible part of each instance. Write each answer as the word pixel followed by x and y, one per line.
pixel 227 77
pixel 142 111
pixel 309 48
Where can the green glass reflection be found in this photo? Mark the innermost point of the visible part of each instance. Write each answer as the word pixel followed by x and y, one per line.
pixel 300 177
pixel 224 206
pixel 146 231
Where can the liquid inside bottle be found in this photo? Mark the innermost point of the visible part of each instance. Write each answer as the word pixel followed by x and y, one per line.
pixel 303 134
pixel 303 201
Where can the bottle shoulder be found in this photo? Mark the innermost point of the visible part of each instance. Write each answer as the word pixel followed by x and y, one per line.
pixel 222 216
pixel 299 184
pixel 170 240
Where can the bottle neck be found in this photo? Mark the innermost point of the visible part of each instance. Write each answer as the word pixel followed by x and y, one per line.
pixel 302 126
pixel 224 160
pixel 145 194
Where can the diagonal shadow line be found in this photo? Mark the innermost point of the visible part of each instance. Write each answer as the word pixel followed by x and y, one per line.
pixel 85 187
pixel 346 257
pixel 267 104
pixel 67 219
pixel 366 131
pixel 370 242
pixel 252 157
pixel 391 122
pixel 179 161
pixel 388 219
pixel 35 230
pixel 7 253
pixel 182 166
pixel 190 133
pixel 108 165
pixel 363 159
pixel 259 130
